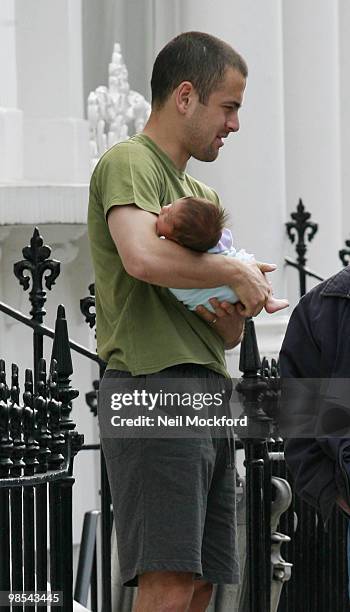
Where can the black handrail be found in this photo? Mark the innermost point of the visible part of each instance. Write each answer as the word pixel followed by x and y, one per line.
pixel 300 267
pixel 46 331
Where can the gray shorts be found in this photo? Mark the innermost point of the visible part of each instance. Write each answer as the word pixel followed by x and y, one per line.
pixel 174 501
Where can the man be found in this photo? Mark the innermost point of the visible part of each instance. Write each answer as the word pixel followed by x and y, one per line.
pixel 316 347
pixel 174 500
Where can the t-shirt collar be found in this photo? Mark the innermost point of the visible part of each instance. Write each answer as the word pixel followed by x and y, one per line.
pixel 169 162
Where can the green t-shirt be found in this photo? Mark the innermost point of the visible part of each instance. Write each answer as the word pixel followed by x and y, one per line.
pixel 142 328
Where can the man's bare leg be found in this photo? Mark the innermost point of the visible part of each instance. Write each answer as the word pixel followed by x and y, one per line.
pixel 164 592
pixel 201 596
pixel 171 592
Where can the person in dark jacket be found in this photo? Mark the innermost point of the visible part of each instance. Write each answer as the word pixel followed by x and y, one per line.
pixel 316 413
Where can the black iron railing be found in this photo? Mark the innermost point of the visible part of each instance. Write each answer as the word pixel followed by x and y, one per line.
pixel 38 442
pixel 37 273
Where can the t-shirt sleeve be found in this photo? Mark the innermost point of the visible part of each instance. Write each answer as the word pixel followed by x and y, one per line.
pixel 127 176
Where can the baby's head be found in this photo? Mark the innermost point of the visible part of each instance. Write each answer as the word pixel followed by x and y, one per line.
pixel 196 223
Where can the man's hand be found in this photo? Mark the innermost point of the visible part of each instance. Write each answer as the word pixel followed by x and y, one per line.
pixel 253 288
pixel 227 321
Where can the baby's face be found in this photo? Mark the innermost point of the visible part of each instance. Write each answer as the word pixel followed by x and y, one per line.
pixel 165 219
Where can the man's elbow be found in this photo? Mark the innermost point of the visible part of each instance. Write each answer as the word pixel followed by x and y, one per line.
pixel 137 267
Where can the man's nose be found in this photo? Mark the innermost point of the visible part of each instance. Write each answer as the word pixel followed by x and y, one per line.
pixel 232 124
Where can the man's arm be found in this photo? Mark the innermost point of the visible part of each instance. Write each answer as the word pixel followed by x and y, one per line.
pixel 166 263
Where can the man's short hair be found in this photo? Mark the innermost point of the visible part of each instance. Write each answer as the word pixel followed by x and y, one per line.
pixel 197 57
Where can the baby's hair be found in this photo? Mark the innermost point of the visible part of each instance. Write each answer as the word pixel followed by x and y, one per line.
pixel 198 224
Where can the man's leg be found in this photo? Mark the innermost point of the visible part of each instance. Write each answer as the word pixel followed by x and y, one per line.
pixel 164 592
pixel 172 592
pixel 173 516
pixel 201 597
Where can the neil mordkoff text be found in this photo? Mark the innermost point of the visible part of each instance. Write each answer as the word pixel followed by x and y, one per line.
pixel 178 421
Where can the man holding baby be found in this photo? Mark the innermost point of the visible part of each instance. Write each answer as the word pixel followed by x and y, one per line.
pixel 173 499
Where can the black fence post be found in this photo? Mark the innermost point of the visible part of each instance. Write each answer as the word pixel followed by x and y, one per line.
pixel 87 307
pixel 31 463
pixel 43 438
pixel 36 261
pixel 86 572
pixel 258 476
pixel 299 226
pixel 6 449
pixel 16 425
pixel 61 492
pixel 106 526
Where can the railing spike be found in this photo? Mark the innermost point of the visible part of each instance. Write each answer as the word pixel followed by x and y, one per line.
pixel 249 361
pixel 61 349
pixel 61 353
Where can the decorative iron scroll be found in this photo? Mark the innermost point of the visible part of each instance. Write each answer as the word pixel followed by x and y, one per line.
pixel 304 229
pixel 37 263
pixel 87 304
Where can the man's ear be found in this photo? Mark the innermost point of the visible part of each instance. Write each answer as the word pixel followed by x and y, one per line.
pixel 184 96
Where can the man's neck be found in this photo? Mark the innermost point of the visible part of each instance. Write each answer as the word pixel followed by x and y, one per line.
pixel 163 136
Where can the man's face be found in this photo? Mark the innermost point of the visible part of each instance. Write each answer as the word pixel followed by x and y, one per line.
pixel 209 124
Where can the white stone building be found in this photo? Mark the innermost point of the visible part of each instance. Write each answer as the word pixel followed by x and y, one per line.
pixel 294 142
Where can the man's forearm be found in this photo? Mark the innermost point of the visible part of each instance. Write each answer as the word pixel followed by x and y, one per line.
pixel 171 265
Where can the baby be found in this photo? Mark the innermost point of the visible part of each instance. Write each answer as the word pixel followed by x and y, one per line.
pixel 198 224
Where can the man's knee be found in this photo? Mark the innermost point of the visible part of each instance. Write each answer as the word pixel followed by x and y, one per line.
pixel 165 591
pixel 200 586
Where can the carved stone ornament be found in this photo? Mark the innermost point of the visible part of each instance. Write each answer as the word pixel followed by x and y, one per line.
pixel 114 112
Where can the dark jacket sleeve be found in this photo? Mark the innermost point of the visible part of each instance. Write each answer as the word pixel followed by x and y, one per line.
pixel 300 357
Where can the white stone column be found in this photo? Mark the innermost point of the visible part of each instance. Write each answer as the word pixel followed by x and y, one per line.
pixel 167 18
pixel 10 114
pixel 50 91
pixel 313 123
pixel 344 82
pixel 249 174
